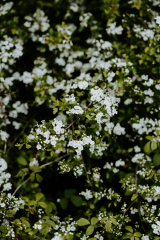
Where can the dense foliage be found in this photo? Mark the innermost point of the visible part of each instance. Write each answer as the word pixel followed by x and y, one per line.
pixel 79 119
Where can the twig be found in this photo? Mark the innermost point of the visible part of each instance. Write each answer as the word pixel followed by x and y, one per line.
pixel 44 165
pixel 18 136
pixel 86 173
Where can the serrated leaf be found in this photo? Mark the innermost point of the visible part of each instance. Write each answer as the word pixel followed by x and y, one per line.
pixel 134 196
pixel 153 145
pixel 94 220
pixel 137 234
pixel 82 222
pixel 90 230
pixel 114 221
pixel 108 226
pixel 39 196
pixel 129 228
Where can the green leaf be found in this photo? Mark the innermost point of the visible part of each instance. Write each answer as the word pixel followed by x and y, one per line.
pixel 39 196
pixel 32 203
pixel 82 222
pixel 42 204
pixel 108 226
pixel 69 193
pixel 134 196
pixel 156 159
pixel 28 146
pixel 94 220
pixel 39 178
pixel 136 238
pixel 90 230
pixel 114 221
pixel 48 209
pixel 153 145
pixel 137 234
pixel 149 137
pixel 55 110
pixel 129 228
pixel 22 161
pixel 25 222
pixel 147 147
pixel 132 238
pixel 32 177
pixel 77 201
pixel 53 205
pixel 104 219
pixel 64 203
pixel 45 230
pixel 126 235
pixel 3 229
pixel 36 168
pixel 92 238
pixel 50 223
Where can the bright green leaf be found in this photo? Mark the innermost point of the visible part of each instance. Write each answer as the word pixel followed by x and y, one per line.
pixel 39 196
pixel 153 145
pixel 147 147
pixel 94 220
pixel 114 221
pixel 129 228
pixel 82 222
pixel 42 204
pixel 90 230
pixel 134 196
pixel 137 234
pixel 108 226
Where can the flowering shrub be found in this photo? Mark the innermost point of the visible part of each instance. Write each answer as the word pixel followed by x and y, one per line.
pixel 79 120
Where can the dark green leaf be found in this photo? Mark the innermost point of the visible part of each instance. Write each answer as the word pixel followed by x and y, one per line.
pixel 77 201
pixel 64 203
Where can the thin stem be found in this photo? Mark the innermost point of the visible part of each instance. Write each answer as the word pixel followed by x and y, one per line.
pixel 44 165
pixel 88 179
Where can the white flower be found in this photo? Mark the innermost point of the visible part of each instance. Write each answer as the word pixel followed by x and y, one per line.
pixel 118 130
